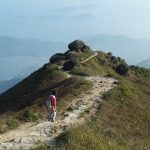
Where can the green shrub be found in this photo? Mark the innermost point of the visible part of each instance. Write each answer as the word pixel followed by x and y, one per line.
pixel 3 127
pixel 8 125
pixel 29 114
pixel 13 123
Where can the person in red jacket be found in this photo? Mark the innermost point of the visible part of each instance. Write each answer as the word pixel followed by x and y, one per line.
pixel 52 99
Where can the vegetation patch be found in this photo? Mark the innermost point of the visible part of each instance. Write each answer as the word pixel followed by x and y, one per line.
pixel 94 66
pixel 8 125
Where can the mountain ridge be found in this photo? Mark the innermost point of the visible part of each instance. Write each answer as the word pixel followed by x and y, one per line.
pixel 11 46
pixel 121 120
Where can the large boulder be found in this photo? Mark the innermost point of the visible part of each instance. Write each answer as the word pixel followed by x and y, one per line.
pixel 57 57
pixel 85 49
pixel 114 59
pixel 122 68
pixel 109 54
pixel 76 45
pixel 70 54
pixel 71 63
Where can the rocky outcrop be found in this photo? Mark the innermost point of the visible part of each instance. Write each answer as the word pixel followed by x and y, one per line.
pixel 109 54
pixel 122 68
pixel 71 63
pixel 70 57
pixel 57 57
pixel 70 54
pixel 76 45
pixel 114 59
pixel 85 49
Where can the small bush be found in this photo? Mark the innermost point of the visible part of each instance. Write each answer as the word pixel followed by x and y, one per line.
pixel 9 124
pixel 28 114
pixel 12 124
pixel 3 127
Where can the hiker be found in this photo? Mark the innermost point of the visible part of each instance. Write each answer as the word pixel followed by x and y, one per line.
pixel 52 98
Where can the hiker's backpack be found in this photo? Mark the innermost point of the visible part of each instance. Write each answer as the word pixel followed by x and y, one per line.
pixel 48 103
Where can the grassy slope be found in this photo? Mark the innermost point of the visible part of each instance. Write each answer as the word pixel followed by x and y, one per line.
pixel 27 99
pixel 123 121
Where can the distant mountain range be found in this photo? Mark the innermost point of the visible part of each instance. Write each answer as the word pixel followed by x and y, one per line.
pixel 24 73
pixel 10 66
pixel 13 80
pixel 13 47
pixel 145 64
pixel 5 85
pixel 131 49
pixel 17 54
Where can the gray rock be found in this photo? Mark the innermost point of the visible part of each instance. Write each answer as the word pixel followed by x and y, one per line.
pixel 64 127
pixel 71 63
pixel 42 133
pixel 71 54
pixel 86 49
pixel 70 108
pixel 114 59
pixel 27 140
pixel 47 131
pixel 122 68
pixel 57 57
pixel 17 139
pixel 110 54
pixel 76 45
pixel 80 102
pixel 5 147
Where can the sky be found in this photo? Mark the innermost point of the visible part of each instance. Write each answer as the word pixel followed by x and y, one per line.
pixel 67 20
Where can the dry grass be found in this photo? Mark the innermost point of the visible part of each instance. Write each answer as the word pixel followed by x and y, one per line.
pixel 122 123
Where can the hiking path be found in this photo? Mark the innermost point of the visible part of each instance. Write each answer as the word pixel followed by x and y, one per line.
pixel 29 134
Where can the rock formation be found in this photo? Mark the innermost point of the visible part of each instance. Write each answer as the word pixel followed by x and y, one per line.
pixel 57 57
pixel 71 63
pixel 122 68
pixel 76 45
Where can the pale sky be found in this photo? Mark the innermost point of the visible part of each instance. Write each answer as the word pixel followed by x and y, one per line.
pixel 67 20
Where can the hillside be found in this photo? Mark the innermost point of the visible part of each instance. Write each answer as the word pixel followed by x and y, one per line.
pixel 114 119
pixel 145 64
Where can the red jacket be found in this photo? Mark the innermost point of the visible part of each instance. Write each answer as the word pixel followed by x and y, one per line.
pixel 52 98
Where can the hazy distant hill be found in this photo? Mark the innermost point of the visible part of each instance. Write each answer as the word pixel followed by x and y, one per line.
pixel 131 49
pixel 26 72
pixel 145 63
pixel 10 66
pixel 17 54
pixel 13 80
pixel 12 47
pixel 5 85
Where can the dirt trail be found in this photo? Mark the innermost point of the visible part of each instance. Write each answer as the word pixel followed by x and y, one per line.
pixel 29 134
